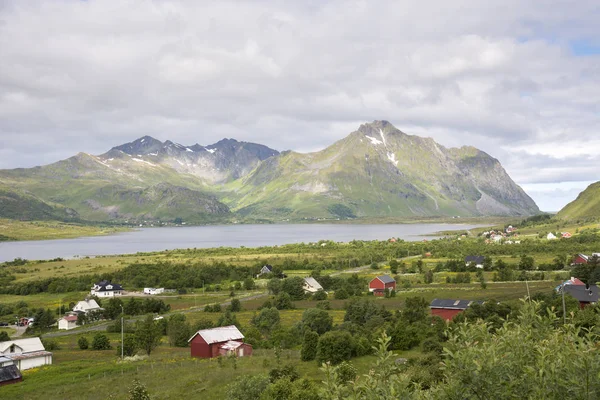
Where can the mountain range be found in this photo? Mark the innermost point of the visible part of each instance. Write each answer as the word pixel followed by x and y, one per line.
pixel 375 171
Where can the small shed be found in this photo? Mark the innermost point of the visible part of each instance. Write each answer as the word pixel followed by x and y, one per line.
pixel 209 343
pixel 585 295
pixel 67 322
pixel 10 374
pixel 448 309
pixel 379 285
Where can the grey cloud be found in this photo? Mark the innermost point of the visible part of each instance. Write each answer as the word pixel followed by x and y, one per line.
pixel 85 76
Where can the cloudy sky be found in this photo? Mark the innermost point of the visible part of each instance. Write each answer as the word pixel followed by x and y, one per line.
pixel 517 79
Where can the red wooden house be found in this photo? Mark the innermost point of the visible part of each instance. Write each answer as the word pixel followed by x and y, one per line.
pixel 580 259
pixel 224 340
pixel 382 283
pixel 447 309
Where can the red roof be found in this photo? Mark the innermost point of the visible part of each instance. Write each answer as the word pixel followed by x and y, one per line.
pixel 70 318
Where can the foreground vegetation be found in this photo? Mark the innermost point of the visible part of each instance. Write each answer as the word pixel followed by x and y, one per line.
pixel 336 345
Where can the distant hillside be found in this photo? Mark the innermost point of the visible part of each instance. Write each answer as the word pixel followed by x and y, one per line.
pixel 376 171
pixel 15 204
pixel 586 205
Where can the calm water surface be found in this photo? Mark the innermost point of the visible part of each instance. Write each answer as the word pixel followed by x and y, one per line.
pixel 157 239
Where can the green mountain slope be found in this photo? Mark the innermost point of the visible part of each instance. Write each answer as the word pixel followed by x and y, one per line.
pixel 380 171
pixel 15 204
pixel 586 205
pixel 375 171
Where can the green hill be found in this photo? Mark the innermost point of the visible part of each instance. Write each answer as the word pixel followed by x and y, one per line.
pixel 586 205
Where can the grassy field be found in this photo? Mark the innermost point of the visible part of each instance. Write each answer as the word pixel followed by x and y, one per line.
pixel 42 230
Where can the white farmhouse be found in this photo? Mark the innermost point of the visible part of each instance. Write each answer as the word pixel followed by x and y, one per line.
pixel 106 289
pixel 26 353
pixel 311 285
pixel 86 306
pixel 551 236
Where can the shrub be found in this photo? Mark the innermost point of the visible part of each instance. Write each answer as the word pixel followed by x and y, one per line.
pixel 83 343
pixel 100 342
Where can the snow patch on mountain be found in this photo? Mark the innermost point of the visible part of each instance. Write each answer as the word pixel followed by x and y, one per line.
pixel 373 140
pixel 392 158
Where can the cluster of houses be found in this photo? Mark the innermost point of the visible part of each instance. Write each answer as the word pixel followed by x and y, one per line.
pixel 563 235
pixel 102 289
pixel 19 355
pixel 497 236
pixel 84 307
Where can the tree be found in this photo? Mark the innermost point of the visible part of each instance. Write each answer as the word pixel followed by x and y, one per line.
pixel 335 347
pixel 235 306
pixel 283 301
pixel 266 320
pixel 113 308
pixel 227 318
pixel 147 334
pixel 83 343
pixel 526 263
pixel 81 319
pixel 394 267
pixel 487 263
pixel 341 294
pixel 100 342
pixel 428 277
pixel 309 346
pixel 317 320
pixel 274 286
pixel 130 346
pixel 137 391
pixel 320 295
pixel 419 266
pixel 293 286
pixel 249 283
pixel 415 309
pixel 178 330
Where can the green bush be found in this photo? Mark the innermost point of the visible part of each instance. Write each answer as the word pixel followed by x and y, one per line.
pixel 83 343
pixel 100 342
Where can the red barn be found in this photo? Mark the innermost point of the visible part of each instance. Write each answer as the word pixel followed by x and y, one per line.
pixel 224 340
pixel 447 309
pixel 380 284
pixel 580 259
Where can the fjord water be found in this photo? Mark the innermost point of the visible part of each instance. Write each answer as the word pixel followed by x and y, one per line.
pixel 158 239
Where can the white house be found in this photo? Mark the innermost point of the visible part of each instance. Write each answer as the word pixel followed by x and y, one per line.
pixel 153 291
pixel 311 285
pixel 86 306
pixel 266 269
pixel 551 236
pixel 26 353
pixel 106 289
pixel 67 322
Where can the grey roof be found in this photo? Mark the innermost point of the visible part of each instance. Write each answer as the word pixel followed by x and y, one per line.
pixel 9 373
pixel 109 287
pixel 452 304
pixel 475 259
pixel 582 293
pixel 386 279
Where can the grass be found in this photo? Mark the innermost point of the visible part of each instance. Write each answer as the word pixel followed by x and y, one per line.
pixel 43 230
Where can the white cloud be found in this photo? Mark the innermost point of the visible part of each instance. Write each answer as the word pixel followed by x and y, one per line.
pixel 499 75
